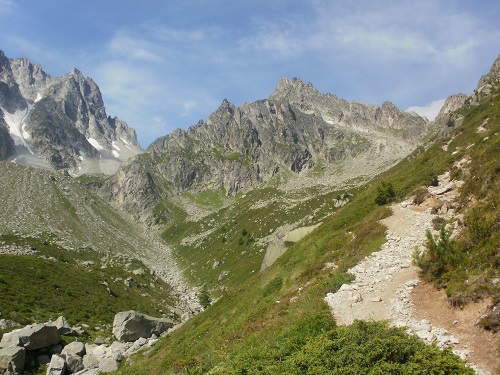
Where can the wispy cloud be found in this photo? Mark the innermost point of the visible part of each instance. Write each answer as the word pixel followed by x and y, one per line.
pixel 6 6
pixel 134 48
pixel 429 111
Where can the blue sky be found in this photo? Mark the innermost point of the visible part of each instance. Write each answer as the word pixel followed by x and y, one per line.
pixel 163 65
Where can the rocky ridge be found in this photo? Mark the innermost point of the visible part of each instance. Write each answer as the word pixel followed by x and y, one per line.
pixel 297 131
pixel 59 122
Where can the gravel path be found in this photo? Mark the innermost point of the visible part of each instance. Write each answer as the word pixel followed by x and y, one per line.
pixel 384 281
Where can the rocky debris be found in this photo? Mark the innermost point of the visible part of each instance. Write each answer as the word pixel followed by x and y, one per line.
pixel 75 357
pixel 12 359
pixel 16 250
pixel 57 366
pixel 6 324
pixel 132 325
pixel 34 336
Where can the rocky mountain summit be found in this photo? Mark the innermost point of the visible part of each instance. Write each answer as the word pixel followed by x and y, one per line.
pixel 296 132
pixel 59 122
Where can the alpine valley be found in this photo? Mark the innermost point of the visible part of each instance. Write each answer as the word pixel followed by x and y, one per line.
pixel 298 234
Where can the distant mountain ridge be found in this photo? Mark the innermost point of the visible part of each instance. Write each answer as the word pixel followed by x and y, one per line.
pixel 297 131
pixel 59 122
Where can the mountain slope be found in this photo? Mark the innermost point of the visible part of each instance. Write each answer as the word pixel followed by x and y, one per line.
pixel 59 122
pixel 37 203
pixel 297 132
pixel 277 321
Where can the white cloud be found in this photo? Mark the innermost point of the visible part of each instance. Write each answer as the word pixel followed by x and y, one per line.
pixel 134 48
pixel 188 106
pixel 430 111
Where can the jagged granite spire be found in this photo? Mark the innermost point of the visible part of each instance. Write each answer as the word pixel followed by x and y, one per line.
pixel 60 122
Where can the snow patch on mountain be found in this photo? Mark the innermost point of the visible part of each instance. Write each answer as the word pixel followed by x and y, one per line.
pixel 95 144
pixel 15 122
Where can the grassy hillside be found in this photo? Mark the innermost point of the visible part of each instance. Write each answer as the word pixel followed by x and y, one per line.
pixel 80 285
pixel 276 320
pixel 85 252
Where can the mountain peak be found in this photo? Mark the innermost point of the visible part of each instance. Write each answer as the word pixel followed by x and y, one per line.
pixel 489 80
pixel 287 88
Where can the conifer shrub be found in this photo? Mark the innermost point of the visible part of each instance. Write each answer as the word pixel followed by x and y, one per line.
pixel 442 255
pixel 385 193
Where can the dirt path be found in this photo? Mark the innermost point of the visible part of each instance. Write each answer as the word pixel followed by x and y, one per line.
pixel 386 287
pixel 431 304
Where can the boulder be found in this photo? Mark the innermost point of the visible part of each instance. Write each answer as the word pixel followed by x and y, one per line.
pixel 63 326
pixel 74 348
pixel 108 364
pixel 12 359
pixel 34 336
pixel 57 366
pixel 131 325
pixel 6 324
pixel 88 371
pixel 74 363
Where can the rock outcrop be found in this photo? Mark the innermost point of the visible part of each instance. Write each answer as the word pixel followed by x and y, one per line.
pixel 32 337
pixel 40 344
pixel 132 325
pixel 238 148
pixel 59 122
pixel 488 81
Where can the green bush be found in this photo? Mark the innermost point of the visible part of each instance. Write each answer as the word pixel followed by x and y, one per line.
pixel 385 193
pixel 371 348
pixel 442 254
pixel 204 298
pixel 273 286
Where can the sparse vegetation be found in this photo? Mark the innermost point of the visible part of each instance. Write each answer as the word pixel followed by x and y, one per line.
pixel 420 194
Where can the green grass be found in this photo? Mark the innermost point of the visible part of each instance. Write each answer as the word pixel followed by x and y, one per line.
pixel 276 321
pixel 471 262
pixel 40 289
pixel 209 198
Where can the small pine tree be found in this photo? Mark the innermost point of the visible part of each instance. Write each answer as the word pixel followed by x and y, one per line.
pixel 385 193
pixel 204 298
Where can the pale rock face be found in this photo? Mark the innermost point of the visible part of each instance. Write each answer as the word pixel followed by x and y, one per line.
pixel 238 148
pixel 132 325
pixel 56 118
pixel 451 104
pixel 493 76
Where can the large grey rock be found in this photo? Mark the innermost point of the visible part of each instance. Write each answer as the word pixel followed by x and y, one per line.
pixel 108 364
pixel 131 325
pixel 88 371
pixel 34 336
pixel 74 363
pixel 12 359
pixel 74 352
pixel 74 348
pixel 63 326
pixel 57 366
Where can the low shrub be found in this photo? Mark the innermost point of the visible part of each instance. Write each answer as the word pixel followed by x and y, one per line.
pixel 385 193
pixel 420 194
